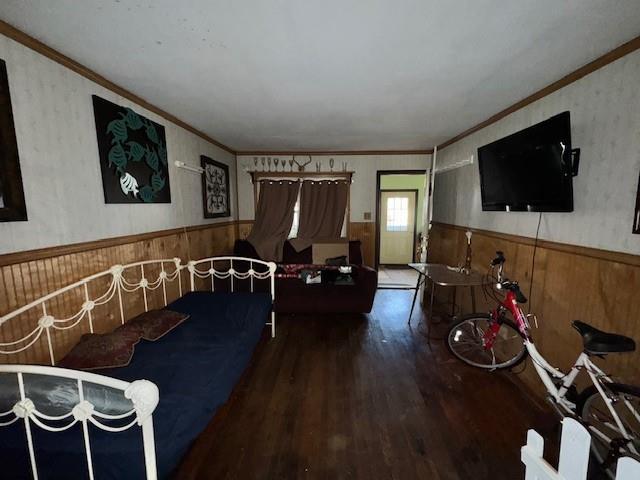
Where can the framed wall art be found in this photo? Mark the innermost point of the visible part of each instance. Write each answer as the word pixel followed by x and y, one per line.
pixel 12 204
pixel 215 188
pixel 133 155
pixel 636 212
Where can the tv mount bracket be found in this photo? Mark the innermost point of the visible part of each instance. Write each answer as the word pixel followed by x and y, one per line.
pixel 575 161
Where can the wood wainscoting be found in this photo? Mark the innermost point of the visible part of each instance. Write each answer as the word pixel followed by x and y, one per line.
pixel 26 276
pixel 570 283
pixel 244 228
pixel 366 233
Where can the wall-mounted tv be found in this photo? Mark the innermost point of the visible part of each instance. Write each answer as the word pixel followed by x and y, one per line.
pixel 530 170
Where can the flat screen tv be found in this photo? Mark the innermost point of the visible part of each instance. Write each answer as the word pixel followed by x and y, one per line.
pixel 530 170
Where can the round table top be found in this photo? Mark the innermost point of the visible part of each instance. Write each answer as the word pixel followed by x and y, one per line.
pixel 444 275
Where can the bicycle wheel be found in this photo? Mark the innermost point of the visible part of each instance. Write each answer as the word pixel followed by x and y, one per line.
pixel 607 443
pixel 465 341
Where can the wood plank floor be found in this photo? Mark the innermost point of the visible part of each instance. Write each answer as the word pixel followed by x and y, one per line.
pixel 346 397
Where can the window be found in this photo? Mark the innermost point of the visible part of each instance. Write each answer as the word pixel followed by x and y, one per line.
pixel 397 214
pixel 296 221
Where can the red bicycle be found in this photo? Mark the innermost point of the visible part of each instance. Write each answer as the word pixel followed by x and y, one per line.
pixel 502 339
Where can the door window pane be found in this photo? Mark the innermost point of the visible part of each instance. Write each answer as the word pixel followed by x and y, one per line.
pixel 397 214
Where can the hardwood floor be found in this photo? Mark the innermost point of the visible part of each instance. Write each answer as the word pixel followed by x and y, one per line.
pixel 365 397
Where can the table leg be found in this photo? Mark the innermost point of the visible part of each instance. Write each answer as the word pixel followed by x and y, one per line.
pixel 453 303
pixel 429 322
pixel 433 289
pixel 415 295
pixel 473 299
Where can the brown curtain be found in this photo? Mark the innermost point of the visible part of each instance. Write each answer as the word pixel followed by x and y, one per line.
pixel 322 207
pixel 274 217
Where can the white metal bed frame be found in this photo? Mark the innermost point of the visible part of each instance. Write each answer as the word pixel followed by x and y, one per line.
pixel 143 394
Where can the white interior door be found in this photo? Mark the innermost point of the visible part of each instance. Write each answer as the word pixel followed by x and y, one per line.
pixel 397 226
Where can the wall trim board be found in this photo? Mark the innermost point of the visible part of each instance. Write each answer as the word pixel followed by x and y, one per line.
pixel 602 61
pixel 608 255
pixel 36 45
pixel 339 152
pixel 42 253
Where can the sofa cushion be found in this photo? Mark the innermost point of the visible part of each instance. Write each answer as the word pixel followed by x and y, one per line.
pixel 324 250
pixel 243 248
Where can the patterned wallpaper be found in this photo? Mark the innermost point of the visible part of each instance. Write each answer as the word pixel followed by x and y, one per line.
pixel 605 116
pixel 58 150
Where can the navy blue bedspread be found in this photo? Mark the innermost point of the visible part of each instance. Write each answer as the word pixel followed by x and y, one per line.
pixel 195 366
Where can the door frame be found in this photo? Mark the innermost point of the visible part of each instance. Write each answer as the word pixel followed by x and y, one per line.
pixel 379 174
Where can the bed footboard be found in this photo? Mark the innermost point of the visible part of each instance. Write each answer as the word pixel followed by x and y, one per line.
pixel 265 272
pixel 131 404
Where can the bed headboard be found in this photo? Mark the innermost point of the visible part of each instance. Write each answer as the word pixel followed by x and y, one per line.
pixel 43 330
pixel 241 268
pixel 40 331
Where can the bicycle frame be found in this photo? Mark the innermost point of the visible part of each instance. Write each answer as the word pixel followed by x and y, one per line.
pixel 548 373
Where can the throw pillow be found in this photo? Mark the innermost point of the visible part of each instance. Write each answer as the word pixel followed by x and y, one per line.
pixel 337 261
pixel 154 324
pixel 95 351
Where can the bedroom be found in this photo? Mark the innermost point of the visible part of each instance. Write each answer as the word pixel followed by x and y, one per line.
pixel 152 152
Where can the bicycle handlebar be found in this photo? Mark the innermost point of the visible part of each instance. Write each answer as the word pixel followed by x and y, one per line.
pixel 504 283
pixel 499 259
pixel 515 288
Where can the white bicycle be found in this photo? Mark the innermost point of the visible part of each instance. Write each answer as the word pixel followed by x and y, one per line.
pixel 610 410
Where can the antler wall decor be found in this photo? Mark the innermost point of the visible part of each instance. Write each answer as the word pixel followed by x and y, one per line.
pixel 301 166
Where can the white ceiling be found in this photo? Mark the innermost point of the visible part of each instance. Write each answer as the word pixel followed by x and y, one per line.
pixel 330 74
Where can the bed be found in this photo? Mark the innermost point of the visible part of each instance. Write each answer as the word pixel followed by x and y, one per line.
pixel 136 421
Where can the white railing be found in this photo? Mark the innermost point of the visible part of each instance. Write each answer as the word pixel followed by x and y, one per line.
pixel 142 394
pixel 574 456
pixel 231 273
pixel 116 286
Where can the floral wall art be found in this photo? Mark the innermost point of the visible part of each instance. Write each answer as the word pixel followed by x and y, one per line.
pixel 215 188
pixel 133 155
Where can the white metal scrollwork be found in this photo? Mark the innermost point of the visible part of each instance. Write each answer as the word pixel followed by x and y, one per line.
pixel 268 273
pixel 117 284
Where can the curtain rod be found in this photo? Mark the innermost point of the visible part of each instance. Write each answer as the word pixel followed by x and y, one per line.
pixel 189 168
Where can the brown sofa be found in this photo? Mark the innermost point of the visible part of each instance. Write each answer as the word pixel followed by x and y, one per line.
pixel 294 296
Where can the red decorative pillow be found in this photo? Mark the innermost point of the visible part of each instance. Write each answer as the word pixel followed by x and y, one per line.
pixel 154 324
pixel 95 351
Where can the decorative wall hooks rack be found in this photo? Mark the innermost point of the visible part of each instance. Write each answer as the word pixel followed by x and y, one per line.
pixel 257 176
pixel 292 165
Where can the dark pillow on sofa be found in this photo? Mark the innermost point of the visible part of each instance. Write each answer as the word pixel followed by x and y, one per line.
pixel 243 248
pixel 154 324
pixel 337 261
pixel 95 351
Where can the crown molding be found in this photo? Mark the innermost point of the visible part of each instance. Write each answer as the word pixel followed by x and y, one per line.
pixel 609 57
pixel 36 45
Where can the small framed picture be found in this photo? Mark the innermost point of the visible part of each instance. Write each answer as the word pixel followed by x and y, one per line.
pixel 215 188
pixel 12 204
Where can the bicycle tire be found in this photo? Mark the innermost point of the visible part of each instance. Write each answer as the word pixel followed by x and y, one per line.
pixel 452 343
pixel 600 449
